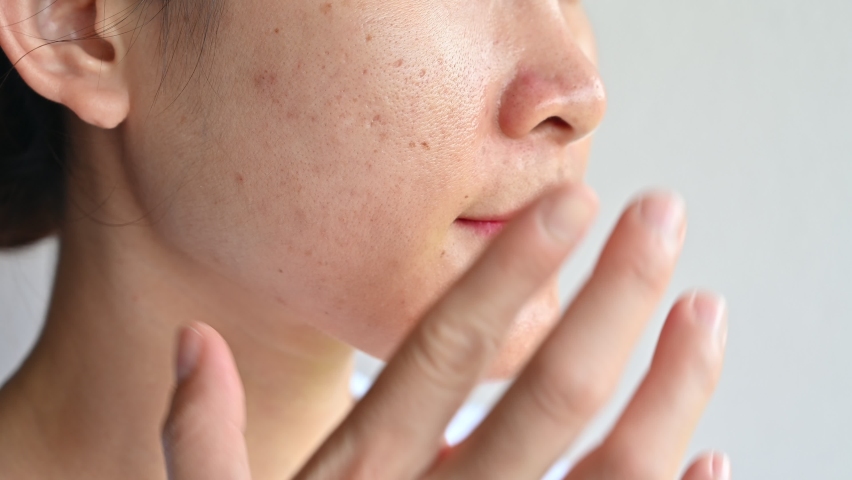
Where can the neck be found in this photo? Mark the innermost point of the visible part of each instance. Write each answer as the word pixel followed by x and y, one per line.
pixel 91 398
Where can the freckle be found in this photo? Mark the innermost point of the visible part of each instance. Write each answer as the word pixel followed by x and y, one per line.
pixel 309 253
pixel 425 145
pixel 466 197
pixel 377 119
pixel 423 73
pixel 325 8
pixel 277 30
pixel 280 270
pixel 443 253
pixel 365 71
pixel 369 37
pixel 239 178
pixel 412 144
pixel 397 63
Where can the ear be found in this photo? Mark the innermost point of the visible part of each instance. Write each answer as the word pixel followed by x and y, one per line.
pixel 69 51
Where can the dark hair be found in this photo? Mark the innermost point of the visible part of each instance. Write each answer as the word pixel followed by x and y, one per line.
pixel 31 161
pixel 32 131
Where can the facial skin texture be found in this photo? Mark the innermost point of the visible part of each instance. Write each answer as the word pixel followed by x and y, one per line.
pixel 326 169
pixel 297 186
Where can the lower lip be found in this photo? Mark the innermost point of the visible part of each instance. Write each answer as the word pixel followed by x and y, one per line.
pixel 484 228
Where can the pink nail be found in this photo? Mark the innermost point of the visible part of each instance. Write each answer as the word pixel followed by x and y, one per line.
pixel 189 349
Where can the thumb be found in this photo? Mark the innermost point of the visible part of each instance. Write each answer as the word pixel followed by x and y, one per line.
pixel 203 435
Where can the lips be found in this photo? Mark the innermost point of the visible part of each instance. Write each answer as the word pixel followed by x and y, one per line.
pixel 486 228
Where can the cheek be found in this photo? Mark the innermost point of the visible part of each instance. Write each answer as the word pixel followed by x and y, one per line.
pixel 338 162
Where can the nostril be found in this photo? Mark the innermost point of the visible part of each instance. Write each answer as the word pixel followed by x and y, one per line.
pixel 557 122
pixel 555 125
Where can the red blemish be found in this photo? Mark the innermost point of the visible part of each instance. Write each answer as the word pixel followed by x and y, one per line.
pixel 425 145
pixel 423 73
pixel 325 8
pixel 277 30
pixel 397 63
pixel 412 144
pixel 239 178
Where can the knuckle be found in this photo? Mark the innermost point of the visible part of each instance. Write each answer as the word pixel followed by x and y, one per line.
pixel 703 368
pixel 632 463
pixel 447 349
pixel 644 268
pixel 570 394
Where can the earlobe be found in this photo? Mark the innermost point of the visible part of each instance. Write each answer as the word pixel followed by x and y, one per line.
pixel 67 52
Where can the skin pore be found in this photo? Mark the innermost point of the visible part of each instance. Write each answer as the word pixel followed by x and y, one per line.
pixel 299 188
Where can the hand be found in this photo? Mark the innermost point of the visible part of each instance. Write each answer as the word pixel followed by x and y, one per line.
pixel 396 430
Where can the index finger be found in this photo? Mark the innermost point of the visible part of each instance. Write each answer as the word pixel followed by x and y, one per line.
pixel 434 370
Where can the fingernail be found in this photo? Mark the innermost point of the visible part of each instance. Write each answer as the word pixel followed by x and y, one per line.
pixel 720 467
pixel 710 310
pixel 189 349
pixel 566 214
pixel 664 213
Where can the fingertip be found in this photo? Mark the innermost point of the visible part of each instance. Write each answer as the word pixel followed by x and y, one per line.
pixel 710 466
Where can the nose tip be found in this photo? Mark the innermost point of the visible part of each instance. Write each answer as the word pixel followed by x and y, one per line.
pixel 565 100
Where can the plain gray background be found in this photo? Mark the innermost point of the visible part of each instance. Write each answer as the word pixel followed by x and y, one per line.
pixel 743 107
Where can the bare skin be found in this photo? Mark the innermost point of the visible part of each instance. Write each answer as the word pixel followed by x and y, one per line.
pixel 323 181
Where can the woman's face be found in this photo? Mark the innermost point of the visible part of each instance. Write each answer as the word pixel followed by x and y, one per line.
pixel 344 157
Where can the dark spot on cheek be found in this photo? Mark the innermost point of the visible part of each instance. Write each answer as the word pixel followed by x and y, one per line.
pixel 280 270
pixel 265 79
pixel 412 144
pixel 325 8
pixel 277 30
pixel 425 145
pixel 239 178
pixel 365 71
pixel 369 37
pixel 397 63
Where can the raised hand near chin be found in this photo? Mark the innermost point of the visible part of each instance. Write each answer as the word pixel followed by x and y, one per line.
pixel 396 431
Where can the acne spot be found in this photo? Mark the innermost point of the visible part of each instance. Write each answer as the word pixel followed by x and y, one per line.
pixel 365 71
pixel 369 37
pixel 397 63
pixel 425 145
pixel 412 144
pixel 277 30
pixel 239 178
pixel 422 73
pixel 325 8
pixel 265 79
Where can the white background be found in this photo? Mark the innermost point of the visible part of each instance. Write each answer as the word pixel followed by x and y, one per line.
pixel 743 107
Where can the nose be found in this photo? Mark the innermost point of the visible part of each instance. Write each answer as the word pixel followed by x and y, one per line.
pixel 556 90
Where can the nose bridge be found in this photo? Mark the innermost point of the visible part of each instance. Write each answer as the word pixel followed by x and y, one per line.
pixel 554 79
